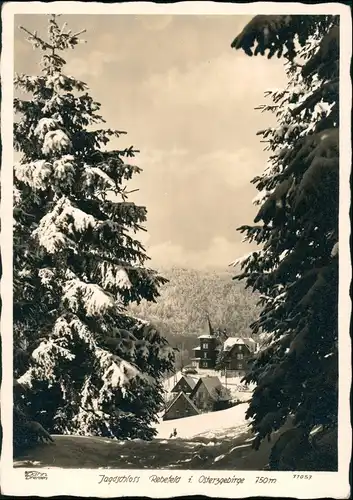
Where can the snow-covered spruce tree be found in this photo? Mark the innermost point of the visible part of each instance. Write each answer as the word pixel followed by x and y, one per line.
pixel 85 365
pixel 296 268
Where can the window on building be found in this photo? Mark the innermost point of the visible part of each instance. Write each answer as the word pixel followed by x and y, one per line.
pixel 203 364
pixel 205 354
pixel 240 366
pixel 205 346
pixel 240 348
pixel 240 356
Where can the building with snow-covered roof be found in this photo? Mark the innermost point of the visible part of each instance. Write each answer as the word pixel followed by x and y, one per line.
pixel 232 341
pixel 236 352
pixel 180 407
pixel 207 392
pixel 184 384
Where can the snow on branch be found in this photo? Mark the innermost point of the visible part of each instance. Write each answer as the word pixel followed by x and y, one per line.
pixel 46 353
pixel 334 251
pixel 91 297
pixel 64 169
pixel 46 357
pixel 94 176
pixel 56 229
pixel 241 260
pixel 46 275
pixel 35 174
pixel 44 126
pixel 117 373
pixel 261 197
pixel 56 141
pixel 113 275
pixel 66 328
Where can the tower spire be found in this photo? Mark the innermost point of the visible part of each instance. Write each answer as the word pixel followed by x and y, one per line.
pixel 210 329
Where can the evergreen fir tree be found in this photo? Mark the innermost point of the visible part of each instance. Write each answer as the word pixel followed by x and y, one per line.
pixel 296 268
pixel 220 363
pixel 82 365
pixel 222 336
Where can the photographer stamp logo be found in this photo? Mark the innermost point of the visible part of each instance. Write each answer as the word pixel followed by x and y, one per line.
pixel 33 474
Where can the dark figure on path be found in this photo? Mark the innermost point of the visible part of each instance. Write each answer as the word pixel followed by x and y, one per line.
pixel 173 434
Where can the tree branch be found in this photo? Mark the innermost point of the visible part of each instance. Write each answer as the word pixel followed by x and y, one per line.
pixel 35 37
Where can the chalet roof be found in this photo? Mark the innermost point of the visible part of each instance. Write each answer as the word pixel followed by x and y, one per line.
pixel 251 343
pixel 212 384
pixel 184 396
pixel 190 381
pixel 171 381
pixel 232 341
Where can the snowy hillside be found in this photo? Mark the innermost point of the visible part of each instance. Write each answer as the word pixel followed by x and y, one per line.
pixel 230 422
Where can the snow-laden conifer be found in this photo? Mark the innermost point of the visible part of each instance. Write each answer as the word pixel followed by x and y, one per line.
pixel 296 268
pixel 83 364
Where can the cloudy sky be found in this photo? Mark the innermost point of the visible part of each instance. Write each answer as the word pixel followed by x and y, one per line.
pixel 187 101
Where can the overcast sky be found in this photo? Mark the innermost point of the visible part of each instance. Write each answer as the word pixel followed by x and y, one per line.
pixel 187 101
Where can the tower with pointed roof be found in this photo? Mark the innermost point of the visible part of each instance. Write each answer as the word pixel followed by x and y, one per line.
pixel 205 354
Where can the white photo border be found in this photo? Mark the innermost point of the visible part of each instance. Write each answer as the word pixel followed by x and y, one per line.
pixel 86 482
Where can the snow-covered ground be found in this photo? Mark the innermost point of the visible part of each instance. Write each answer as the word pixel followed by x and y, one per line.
pixel 218 440
pixel 230 422
pixel 224 446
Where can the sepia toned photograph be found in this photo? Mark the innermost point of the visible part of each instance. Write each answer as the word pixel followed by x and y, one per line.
pixel 176 206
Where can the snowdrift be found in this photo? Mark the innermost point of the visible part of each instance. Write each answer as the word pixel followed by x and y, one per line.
pixel 217 424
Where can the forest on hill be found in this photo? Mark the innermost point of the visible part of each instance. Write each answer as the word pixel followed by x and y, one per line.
pixel 180 313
